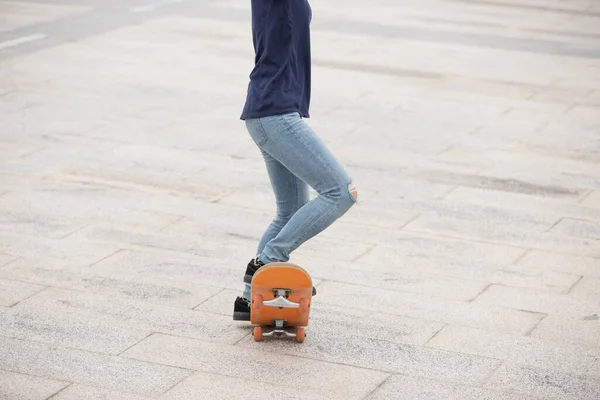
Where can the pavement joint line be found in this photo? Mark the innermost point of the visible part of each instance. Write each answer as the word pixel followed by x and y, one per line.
pixel 573 286
pixel 84 226
pixel 205 300
pixel 135 344
pixel 32 375
pixel 372 392
pixel 10 262
pixel 30 296
pixel 22 40
pixel 104 258
pixel 410 220
pixel 364 253
pixel 426 344
pixel 61 390
pixel 528 333
pixel 521 256
pixel 480 293
pixel 449 192
pixel 585 196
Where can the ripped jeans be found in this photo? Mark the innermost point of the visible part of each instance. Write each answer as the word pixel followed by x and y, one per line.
pixel 295 158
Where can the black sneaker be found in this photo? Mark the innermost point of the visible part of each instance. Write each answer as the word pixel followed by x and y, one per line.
pixel 241 309
pixel 251 269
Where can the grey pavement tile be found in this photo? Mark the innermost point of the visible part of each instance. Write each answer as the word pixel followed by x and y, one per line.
pixel 93 369
pixel 267 367
pixel 14 386
pixel 576 331
pixel 75 252
pixel 428 308
pixel 511 236
pixel 74 205
pixel 24 14
pixel 12 292
pixel 121 282
pixel 38 224
pixel 6 259
pixel 579 228
pixel 172 266
pixel 10 148
pixel 522 350
pixel 592 200
pixel 575 264
pixel 346 347
pixel 329 319
pixel 500 178
pixel 587 289
pixel 565 207
pixel 544 383
pixel 406 277
pixel 408 246
pixel 143 182
pixel 203 385
pixel 533 278
pixel 69 330
pixel 82 392
pixel 537 301
pixel 408 387
pixel 137 315
pixel 234 245
pixel 522 158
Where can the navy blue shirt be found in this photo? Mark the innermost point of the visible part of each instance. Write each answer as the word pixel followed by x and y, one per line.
pixel 280 80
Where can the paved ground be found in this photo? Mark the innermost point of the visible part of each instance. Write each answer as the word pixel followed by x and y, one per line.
pixel 131 198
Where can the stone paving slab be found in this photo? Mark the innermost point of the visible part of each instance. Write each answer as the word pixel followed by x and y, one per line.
pixel 578 331
pixel 67 330
pixel 426 389
pixel 430 308
pixel 521 350
pixel 268 367
pixel 587 289
pixel 576 264
pixel 15 386
pixel 109 372
pixel 131 314
pixel 12 292
pixel 122 282
pixel 537 301
pixel 77 392
pixel 545 383
pixel 202 385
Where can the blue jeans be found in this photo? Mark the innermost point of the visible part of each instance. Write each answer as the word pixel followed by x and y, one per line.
pixel 295 158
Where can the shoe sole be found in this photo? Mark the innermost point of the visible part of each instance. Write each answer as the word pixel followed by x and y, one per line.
pixel 241 316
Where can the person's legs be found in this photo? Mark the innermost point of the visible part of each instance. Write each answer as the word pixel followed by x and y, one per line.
pixel 290 141
pixel 291 148
pixel 291 193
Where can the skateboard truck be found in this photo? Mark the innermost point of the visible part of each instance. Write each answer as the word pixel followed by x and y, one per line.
pixel 281 302
pixel 279 329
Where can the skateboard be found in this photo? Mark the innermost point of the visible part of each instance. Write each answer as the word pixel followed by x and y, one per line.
pixel 281 297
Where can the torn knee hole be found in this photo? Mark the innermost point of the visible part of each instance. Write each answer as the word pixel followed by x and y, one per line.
pixel 353 191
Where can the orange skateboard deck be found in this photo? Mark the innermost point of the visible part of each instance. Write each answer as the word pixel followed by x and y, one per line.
pixel 281 297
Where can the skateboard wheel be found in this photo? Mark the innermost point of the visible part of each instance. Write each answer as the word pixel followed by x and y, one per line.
pixel 303 305
pixel 300 335
pixel 257 301
pixel 258 334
